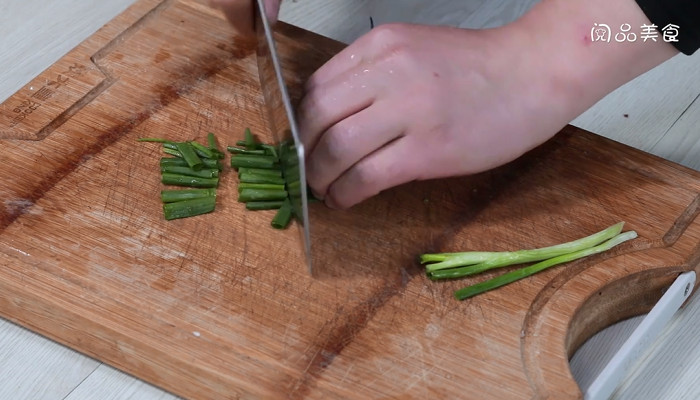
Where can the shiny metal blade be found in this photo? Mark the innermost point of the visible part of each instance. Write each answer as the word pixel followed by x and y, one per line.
pixel 283 125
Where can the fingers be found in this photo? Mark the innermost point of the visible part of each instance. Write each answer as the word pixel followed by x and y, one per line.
pixel 365 51
pixel 328 104
pixel 272 9
pixel 347 142
pixel 392 165
pixel 239 13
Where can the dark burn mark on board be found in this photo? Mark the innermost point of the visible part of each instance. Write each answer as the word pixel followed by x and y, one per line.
pixel 166 94
pixel 161 56
pixel 343 332
pixel 478 192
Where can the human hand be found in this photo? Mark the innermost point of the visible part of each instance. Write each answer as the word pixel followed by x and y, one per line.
pixel 409 102
pixel 240 13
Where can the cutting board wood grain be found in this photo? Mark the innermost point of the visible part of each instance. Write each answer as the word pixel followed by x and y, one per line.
pixel 220 306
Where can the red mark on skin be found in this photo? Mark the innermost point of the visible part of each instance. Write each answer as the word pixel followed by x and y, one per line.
pixel 435 74
pixel 586 40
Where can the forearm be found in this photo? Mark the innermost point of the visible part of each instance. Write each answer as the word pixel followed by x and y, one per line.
pixel 580 71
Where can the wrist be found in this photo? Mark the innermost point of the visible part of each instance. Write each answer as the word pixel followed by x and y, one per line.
pixel 577 70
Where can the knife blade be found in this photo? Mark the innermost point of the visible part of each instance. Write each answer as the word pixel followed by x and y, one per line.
pixel 283 124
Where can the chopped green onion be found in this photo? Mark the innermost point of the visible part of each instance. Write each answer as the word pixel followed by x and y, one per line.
pixel 189 208
pixel 188 153
pixel 277 173
pixel 250 142
pixel 263 205
pixel 253 161
pixel 214 147
pixel 255 178
pixel 270 150
pixel 191 181
pixel 171 196
pixel 247 195
pixel 202 150
pixel 266 186
pixel 211 141
pixel 168 161
pixel 156 140
pixel 172 152
pixel 283 216
pixel 184 170
pixel 238 150
pixel 521 273
pixel 294 188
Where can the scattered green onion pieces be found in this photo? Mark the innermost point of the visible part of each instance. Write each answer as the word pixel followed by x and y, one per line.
pixel 265 186
pixel 283 216
pixel 171 196
pixel 211 141
pixel 256 178
pixel 173 153
pixel 259 171
pixel 254 161
pixel 183 170
pixel 189 208
pixel 188 153
pixel 246 195
pixel 169 161
pixel 195 166
pixel 270 150
pixel 239 150
pixel 202 150
pixel 264 205
pixel 250 142
pixel 191 181
pixel 155 140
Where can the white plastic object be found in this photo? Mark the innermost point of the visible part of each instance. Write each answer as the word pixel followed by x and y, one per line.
pixel 648 330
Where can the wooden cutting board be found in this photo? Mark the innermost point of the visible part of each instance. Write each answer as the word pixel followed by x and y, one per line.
pixel 220 306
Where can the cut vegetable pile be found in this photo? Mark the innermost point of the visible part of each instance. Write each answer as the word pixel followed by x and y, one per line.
pixel 195 166
pixel 457 265
pixel 261 184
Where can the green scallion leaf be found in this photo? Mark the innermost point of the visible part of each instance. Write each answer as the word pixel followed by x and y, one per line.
pixel 283 216
pixel 188 153
pixel 171 196
pixel 263 205
pixel 246 195
pixel 189 181
pixel 189 208
pixel 521 273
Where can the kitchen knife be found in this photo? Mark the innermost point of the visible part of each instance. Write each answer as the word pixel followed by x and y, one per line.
pixel 283 125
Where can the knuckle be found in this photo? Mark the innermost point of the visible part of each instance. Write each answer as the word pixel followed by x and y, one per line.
pixel 388 36
pixel 400 57
pixel 311 106
pixel 365 178
pixel 339 140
